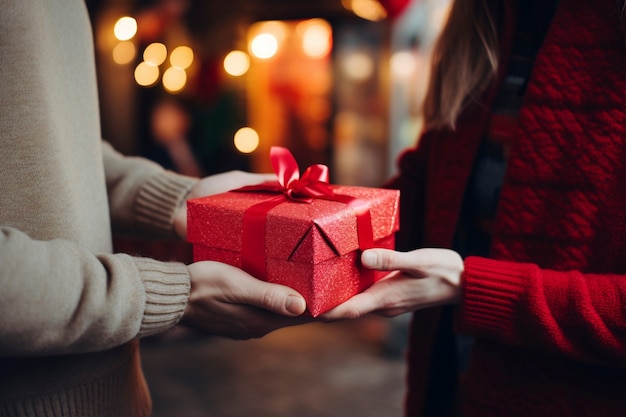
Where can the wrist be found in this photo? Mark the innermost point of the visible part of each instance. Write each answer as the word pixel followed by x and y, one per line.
pixel 180 220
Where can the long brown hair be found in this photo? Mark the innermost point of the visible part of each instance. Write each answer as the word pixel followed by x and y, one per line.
pixel 465 58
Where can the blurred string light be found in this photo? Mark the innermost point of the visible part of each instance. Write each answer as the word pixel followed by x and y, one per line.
pixel 316 37
pixel 246 140
pixel 357 66
pixel 300 45
pixel 315 34
pixel 274 27
pixel 146 75
pixel 403 65
pixel 124 52
pixel 125 28
pixel 236 63
pixel 155 54
pixel 181 57
pixel 148 71
pixel 174 79
pixel 366 9
pixel 266 38
pixel 264 46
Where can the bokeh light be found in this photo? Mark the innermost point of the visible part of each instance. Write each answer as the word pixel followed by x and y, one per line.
pixel 174 79
pixel 124 52
pixel 366 9
pixel 125 28
pixel 402 64
pixel 358 66
pixel 246 140
pixel 264 45
pixel 237 63
pixel 146 74
pixel 181 57
pixel 273 27
pixel 155 54
pixel 316 37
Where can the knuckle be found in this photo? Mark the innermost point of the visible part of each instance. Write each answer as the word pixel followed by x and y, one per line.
pixel 271 299
pixel 386 261
pixel 352 314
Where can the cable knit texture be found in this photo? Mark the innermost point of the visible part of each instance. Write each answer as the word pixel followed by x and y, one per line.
pixel 548 310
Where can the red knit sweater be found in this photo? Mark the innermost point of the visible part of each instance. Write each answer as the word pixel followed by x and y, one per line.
pixel 549 310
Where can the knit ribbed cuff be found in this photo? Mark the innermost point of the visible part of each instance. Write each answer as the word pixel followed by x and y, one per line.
pixel 159 198
pixel 167 288
pixel 491 292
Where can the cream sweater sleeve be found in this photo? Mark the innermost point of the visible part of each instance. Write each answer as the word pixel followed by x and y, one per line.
pixel 63 299
pixel 61 289
pixel 59 297
pixel 142 195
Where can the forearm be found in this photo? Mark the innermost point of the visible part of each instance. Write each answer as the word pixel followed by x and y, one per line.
pixel 143 197
pixel 569 313
pixel 63 299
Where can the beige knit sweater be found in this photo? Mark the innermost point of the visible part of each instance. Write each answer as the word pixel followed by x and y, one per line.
pixel 70 310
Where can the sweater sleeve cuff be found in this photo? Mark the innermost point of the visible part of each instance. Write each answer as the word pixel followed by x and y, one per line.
pixel 159 198
pixel 491 292
pixel 167 286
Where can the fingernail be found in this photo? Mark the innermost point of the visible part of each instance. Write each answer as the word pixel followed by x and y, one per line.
pixel 369 258
pixel 295 305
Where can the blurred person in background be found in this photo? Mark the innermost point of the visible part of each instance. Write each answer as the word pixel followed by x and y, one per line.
pixel 512 248
pixel 71 311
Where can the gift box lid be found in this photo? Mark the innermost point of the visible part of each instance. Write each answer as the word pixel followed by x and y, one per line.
pixel 329 227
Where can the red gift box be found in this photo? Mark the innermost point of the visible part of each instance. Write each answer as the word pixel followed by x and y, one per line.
pixel 303 233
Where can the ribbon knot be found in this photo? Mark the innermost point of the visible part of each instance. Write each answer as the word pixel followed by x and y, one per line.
pixel 314 184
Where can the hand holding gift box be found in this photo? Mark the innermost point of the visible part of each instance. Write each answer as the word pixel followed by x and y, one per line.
pixel 299 232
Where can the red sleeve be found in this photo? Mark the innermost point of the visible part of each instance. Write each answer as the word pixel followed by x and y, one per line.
pixel 582 316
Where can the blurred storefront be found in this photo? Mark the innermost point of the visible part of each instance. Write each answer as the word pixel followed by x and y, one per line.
pixel 203 87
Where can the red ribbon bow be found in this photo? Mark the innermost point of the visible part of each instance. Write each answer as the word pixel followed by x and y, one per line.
pixel 314 184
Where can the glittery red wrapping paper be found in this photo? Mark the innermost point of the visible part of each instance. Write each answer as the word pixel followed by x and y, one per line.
pixel 311 247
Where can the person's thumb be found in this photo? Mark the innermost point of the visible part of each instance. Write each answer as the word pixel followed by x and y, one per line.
pixel 419 262
pixel 295 304
pixel 381 259
pixel 278 298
